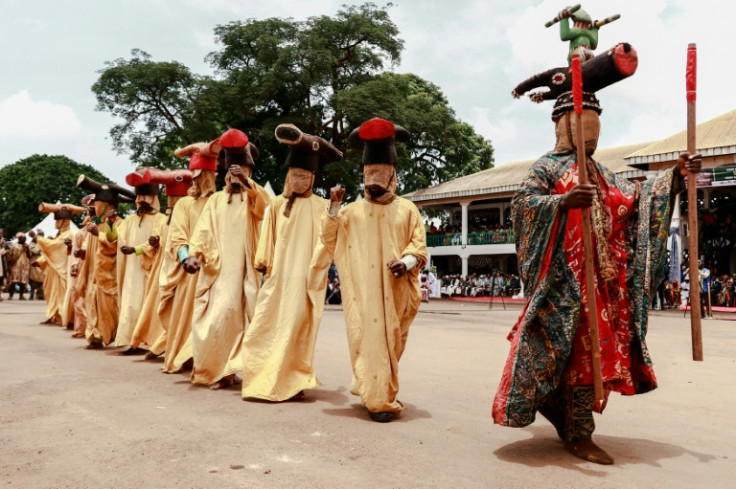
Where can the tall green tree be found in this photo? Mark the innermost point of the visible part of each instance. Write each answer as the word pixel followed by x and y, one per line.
pixel 326 74
pixel 39 178
pixel 159 106
pixel 441 148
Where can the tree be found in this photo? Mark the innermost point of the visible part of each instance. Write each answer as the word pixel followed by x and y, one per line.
pixel 158 103
pixel 39 178
pixel 325 74
pixel 441 148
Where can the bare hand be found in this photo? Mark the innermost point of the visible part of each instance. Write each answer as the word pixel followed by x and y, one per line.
pixel 68 242
pixel 127 250
pixel 92 229
pixel 154 241
pixel 688 163
pixel 191 264
pixel 396 267
pixel 337 193
pixel 237 172
pixel 80 253
pixel 74 271
pixel 580 197
pixel 35 264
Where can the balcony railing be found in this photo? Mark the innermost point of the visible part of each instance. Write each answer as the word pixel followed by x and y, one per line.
pixel 480 238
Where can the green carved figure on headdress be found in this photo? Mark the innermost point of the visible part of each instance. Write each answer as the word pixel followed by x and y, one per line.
pixel 583 35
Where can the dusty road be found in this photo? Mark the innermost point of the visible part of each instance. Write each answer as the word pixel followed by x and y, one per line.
pixel 71 418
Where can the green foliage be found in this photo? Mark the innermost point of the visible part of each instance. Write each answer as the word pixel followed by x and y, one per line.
pixel 441 148
pixel 158 105
pixel 325 74
pixel 39 178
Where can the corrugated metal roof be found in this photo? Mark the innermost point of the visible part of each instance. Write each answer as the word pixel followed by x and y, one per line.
pixel 507 177
pixel 714 138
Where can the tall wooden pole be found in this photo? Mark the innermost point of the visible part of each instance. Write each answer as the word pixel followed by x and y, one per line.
pixel 588 269
pixel 692 208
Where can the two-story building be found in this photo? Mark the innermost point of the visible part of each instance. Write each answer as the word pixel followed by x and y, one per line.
pixel 478 208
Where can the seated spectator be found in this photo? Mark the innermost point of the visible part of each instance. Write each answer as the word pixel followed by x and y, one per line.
pixel 675 291
pixel 334 295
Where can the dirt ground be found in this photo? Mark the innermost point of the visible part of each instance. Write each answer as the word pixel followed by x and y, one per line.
pixel 71 418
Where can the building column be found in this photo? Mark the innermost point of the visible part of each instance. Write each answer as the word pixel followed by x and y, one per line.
pixel 464 235
pixel 464 259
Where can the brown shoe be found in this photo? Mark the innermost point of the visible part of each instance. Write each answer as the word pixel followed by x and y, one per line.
pixel 94 346
pixel 587 450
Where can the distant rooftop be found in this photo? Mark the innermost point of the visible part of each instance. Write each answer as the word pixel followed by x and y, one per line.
pixel 714 138
pixel 507 177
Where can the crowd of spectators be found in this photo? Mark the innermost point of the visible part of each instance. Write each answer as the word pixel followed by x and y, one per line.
pixel 495 284
pixel 447 235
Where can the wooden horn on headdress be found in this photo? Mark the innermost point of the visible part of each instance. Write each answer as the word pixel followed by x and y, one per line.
pixel 208 150
pixel 87 183
pixel 166 177
pixel 49 208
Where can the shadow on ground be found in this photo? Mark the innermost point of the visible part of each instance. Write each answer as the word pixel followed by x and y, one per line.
pixel 545 449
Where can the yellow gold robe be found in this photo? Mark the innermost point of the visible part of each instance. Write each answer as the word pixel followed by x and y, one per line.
pixel 133 270
pixel 148 328
pixel 85 285
pixel 278 347
pixel 177 286
pixel 102 298
pixel 80 316
pixel 378 307
pixel 54 290
pixel 225 242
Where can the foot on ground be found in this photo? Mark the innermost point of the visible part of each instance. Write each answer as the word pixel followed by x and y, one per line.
pixel 225 382
pixel 587 450
pixel 152 356
pixel 299 396
pixel 78 335
pixel 188 365
pixel 48 321
pixel 93 346
pixel 133 351
pixel 382 417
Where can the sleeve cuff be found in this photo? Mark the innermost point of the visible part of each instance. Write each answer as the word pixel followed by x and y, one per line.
pixel 183 253
pixel 410 261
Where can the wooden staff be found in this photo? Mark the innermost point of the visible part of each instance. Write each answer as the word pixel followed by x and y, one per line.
pixel 692 208
pixel 588 270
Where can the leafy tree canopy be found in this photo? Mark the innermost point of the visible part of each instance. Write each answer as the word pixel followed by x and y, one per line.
pixel 39 178
pixel 326 74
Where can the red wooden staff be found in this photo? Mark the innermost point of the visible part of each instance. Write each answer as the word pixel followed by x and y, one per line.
pixel 692 208
pixel 577 94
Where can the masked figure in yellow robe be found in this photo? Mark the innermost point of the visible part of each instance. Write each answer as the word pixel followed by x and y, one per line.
pixel 136 257
pixel 279 343
pixel 224 246
pixel 102 297
pixel 78 271
pixel 57 251
pixel 379 248
pixel 178 287
pixel 149 329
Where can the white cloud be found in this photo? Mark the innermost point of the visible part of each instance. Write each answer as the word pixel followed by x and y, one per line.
pixel 497 130
pixel 21 117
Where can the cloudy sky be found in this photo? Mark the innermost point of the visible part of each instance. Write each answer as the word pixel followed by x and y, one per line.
pixel 475 50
